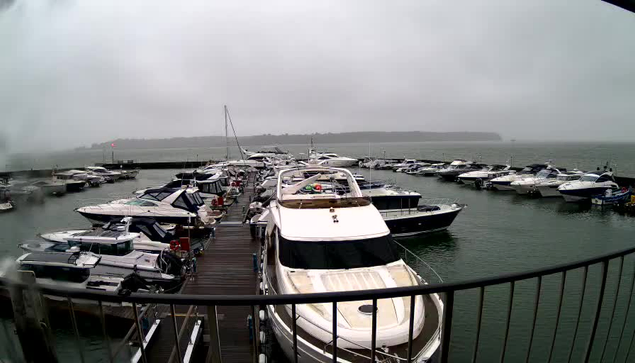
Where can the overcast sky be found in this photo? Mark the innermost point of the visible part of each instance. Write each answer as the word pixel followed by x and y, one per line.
pixel 77 72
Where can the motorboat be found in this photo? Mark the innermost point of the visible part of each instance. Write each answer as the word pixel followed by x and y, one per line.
pixel 528 185
pixel 77 270
pixel 331 159
pixel 109 175
pixel 431 170
pixel 129 173
pixel 456 168
pixel 146 234
pixel 53 186
pixel 319 241
pixel 480 177
pixel 179 206
pixel 211 188
pixel 414 169
pixel 75 180
pixel 431 216
pixel 404 164
pixel 503 183
pixel 588 186
pixel 549 187
pixel 119 258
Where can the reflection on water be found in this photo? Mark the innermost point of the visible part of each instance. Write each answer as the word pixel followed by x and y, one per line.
pixel 431 242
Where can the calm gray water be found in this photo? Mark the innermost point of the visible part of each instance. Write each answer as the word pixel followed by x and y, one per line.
pixel 498 233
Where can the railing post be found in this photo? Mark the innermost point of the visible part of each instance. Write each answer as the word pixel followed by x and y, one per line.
pixel 334 331
pixel 31 322
pixel 598 310
pixel 447 326
pixel 214 352
pixel 295 333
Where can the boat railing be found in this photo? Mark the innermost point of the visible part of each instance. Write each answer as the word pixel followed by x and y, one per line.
pixel 422 267
pixel 574 311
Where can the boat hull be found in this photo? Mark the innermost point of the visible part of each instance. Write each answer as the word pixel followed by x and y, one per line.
pixel 581 195
pixel 75 186
pixel 548 191
pixel 502 186
pixel 417 223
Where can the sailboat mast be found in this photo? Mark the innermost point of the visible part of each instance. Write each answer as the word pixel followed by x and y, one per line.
pixel 226 135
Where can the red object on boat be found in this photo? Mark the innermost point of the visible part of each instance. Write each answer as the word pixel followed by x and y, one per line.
pixel 174 245
pixel 185 243
pixel 220 201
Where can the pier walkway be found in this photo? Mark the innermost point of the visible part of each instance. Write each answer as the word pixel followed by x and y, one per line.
pixel 225 268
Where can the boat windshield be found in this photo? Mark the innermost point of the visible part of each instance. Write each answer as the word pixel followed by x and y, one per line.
pixel 57 273
pixel 333 255
pixel 589 178
pixel 141 203
pixel 544 174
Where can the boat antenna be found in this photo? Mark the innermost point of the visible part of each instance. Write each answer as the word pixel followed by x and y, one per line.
pixel 229 117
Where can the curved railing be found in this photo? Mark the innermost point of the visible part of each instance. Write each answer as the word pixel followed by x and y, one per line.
pixel 612 273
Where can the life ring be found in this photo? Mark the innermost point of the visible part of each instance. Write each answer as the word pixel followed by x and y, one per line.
pixel 317 187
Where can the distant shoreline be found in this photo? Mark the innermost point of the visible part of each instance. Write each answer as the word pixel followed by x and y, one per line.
pixel 289 139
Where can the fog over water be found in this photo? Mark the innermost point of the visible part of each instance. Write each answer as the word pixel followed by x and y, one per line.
pixel 77 72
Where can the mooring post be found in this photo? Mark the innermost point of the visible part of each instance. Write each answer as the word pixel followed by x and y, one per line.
pixel 31 321
pixel 213 353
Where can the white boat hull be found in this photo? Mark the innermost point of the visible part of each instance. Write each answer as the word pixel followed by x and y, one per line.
pixel 548 192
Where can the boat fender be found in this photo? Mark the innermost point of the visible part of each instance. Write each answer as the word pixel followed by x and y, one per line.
pixel 262 315
pixel 262 287
pixel 263 337
pixel 262 358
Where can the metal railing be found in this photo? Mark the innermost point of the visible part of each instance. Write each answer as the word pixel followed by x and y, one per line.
pixel 608 323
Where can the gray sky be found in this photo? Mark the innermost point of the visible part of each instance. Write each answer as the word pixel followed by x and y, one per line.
pixel 77 72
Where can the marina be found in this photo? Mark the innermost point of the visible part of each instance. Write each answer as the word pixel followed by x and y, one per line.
pixel 228 265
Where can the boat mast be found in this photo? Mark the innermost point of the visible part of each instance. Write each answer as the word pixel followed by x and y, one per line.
pixel 226 136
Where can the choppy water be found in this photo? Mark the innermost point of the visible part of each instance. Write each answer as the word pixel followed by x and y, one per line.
pixel 498 233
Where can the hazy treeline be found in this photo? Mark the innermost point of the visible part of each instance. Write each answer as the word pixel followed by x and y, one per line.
pixel 328 138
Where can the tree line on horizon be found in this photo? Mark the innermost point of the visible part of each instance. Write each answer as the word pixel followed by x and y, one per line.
pixel 288 139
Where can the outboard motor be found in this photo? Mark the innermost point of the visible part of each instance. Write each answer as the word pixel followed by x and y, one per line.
pixel 170 264
pixel 134 282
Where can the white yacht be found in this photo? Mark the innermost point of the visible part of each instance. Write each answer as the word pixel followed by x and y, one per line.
pixel 331 159
pixel 69 270
pixel 431 170
pixel 145 233
pixel 456 168
pixel 118 258
pixel 181 206
pixel 549 187
pixel 589 185
pixel 105 173
pixel 319 241
pixel 75 180
pixel 480 177
pixel 51 186
pixel 504 182
pixel 404 164
pixel 528 185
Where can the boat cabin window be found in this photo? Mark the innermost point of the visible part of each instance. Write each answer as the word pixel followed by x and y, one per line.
pixel 337 254
pixel 589 178
pixel 118 249
pixel 141 203
pixel 546 174
pixel 185 201
pixel 177 183
pixel 157 195
pixel 604 178
pixel 211 188
pixel 57 273
pixel 196 197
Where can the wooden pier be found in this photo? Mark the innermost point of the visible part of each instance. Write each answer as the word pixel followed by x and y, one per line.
pixel 225 268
